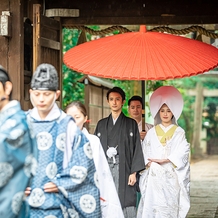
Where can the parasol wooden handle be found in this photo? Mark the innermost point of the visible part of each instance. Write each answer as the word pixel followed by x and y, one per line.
pixel 143 120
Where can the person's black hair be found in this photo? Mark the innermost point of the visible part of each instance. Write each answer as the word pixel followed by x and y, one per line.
pixel 135 98
pixel 117 90
pixel 79 105
pixel 4 77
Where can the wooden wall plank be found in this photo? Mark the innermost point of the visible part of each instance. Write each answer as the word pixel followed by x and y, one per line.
pixel 48 43
pixel 147 20
pixel 4 42
pixel 50 23
pixel 36 36
pixel 49 33
pixel 47 47
pixel 60 73
pixel 148 12
pixel 16 50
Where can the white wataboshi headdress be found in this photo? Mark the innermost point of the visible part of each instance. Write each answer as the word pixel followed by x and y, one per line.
pixel 170 96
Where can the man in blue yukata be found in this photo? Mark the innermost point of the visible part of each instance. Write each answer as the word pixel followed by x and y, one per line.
pixel 65 182
pixel 17 153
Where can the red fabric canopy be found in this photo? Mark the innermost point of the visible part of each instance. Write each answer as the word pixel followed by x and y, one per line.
pixel 142 56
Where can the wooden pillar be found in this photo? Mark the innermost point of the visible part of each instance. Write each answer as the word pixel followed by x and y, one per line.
pixel 197 122
pixel 4 41
pixel 143 105
pixel 12 48
pixel 36 36
pixel 87 99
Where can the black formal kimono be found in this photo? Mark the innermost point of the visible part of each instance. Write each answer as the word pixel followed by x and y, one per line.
pixel 124 135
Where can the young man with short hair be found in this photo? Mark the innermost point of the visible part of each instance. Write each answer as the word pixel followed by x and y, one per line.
pixel 65 183
pixel 135 106
pixel 120 139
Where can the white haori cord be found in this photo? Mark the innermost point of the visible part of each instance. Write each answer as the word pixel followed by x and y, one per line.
pixel 112 152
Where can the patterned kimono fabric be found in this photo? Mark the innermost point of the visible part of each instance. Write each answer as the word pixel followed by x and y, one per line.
pixel 110 203
pixel 17 160
pixel 72 200
pixel 147 127
pixel 160 198
pixel 113 140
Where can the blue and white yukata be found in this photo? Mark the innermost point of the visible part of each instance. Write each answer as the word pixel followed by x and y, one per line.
pixel 64 159
pixel 17 160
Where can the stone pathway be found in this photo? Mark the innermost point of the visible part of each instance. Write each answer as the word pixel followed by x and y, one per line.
pixel 204 188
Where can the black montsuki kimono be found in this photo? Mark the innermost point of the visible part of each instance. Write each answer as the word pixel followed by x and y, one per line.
pixel 125 134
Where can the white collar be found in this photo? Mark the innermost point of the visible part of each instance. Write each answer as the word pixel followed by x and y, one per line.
pixel 52 115
pixel 165 129
pixel 85 131
pixel 9 105
pixel 114 120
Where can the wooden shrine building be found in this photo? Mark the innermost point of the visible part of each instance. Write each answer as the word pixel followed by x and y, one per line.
pixel 30 30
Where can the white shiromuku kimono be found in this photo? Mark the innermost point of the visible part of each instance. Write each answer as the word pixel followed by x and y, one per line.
pixel 110 203
pixel 165 187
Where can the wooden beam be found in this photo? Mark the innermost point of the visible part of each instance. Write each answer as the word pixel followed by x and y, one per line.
pixel 139 7
pixel 158 12
pixel 210 74
pixel 147 20
pixel 61 12
pixel 205 93
pixel 48 43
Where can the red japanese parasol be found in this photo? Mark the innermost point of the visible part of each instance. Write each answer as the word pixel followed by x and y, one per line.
pixel 142 56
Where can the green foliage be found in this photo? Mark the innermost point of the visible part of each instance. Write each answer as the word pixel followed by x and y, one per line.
pixel 153 85
pixel 127 87
pixel 210 121
pixel 186 120
pixel 94 27
pixel 210 104
pixel 72 89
